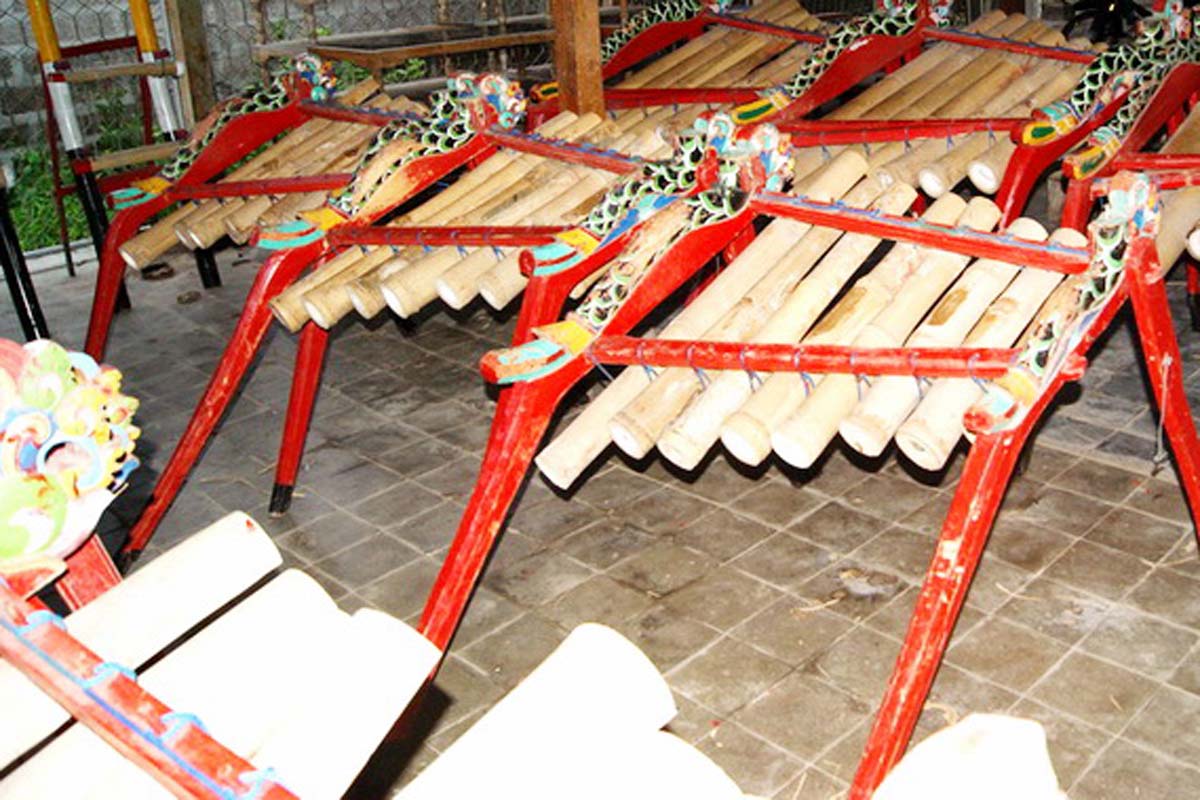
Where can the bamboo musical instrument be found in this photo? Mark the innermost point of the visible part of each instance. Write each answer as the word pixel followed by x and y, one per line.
pixel 747 433
pixel 890 398
pixel 792 249
pixel 930 433
pixel 803 435
pixel 697 429
pixel 476 189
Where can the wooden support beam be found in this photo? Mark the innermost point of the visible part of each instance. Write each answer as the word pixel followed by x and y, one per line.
pixel 577 55
pixel 186 21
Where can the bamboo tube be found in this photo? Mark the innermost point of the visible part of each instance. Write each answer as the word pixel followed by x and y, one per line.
pixel 860 106
pixel 569 454
pixel 697 429
pixel 182 229
pixel 141 250
pixel 240 224
pixel 289 306
pixel 892 398
pixel 932 430
pixel 713 38
pixel 327 304
pixel 409 289
pixel 747 433
pixel 803 436
pixel 459 285
pixel 794 248
pixel 208 231
pixel 136 620
pixel 941 176
pixel 277 628
pixel 917 99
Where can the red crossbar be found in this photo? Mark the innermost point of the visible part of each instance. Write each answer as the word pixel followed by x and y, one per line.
pixel 294 185
pixel 177 752
pixel 637 98
pixel 814 133
pixel 1053 257
pixel 608 160
pixel 364 116
pixel 998 43
pixel 464 235
pixel 756 26
pixel 1142 162
pixel 925 362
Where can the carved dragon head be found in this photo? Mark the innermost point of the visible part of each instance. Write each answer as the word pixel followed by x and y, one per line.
pixel 318 74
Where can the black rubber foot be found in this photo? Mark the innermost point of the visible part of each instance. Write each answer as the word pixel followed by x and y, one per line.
pixel 126 558
pixel 1194 310
pixel 281 499
pixel 123 301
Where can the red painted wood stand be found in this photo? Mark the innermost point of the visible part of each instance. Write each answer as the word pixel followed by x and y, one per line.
pixel 525 409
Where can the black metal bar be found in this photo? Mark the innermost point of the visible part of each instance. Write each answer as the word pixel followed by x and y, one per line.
pixel 206 265
pixel 16 274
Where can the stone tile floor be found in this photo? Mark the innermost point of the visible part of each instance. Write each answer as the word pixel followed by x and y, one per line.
pixel 774 602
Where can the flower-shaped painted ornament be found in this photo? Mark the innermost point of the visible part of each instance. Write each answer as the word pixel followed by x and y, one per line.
pixel 66 448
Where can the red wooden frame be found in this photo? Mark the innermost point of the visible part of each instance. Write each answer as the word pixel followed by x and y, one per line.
pixel 173 748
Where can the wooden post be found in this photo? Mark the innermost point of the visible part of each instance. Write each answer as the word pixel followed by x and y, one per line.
pixel 577 55
pixel 186 17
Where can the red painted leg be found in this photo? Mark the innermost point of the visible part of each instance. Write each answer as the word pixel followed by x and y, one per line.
pixel 960 546
pixel 1077 206
pixel 522 415
pixel 306 379
pixel 111 272
pixel 276 273
pixel 1164 364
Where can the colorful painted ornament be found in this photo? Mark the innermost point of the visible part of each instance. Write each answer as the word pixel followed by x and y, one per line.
pixel 66 449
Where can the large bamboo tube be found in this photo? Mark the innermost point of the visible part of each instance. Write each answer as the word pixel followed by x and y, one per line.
pixel 747 433
pixel 697 429
pixel 594 687
pixel 803 436
pixel 380 663
pixel 892 398
pixel 275 629
pixel 149 610
pixel 794 248
pixel 141 250
pixel 932 430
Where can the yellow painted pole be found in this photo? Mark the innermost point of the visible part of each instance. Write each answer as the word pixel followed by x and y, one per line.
pixel 143 26
pixel 43 30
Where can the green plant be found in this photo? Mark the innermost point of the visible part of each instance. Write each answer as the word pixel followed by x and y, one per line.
pixel 411 70
pixel 31 200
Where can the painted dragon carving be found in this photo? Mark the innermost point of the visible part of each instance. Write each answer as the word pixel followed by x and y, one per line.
pixel 711 176
pixel 890 18
pixel 1132 211
pixel 1132 70
pixel 308 76
pixel 469 105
